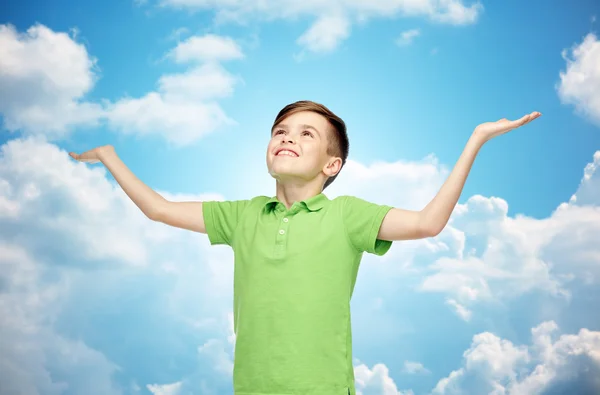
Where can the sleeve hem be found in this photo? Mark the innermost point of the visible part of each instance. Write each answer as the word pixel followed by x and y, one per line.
pixel 377 246
pixel 207 213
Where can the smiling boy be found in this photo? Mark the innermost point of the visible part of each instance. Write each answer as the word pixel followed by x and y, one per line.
pixel 297 254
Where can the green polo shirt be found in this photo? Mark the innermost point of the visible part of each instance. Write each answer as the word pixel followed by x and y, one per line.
pixel 294 275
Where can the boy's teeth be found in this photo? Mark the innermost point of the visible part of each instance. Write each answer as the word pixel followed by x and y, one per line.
pixel 286 153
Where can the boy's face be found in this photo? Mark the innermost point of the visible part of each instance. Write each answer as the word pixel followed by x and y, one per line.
pixel 305 137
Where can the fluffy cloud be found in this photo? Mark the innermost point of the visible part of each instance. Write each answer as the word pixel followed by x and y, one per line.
pixel 412 367
pixel 376 381
pixel 70 238
pixel 208 48
pixel 184 108
pixel 588 192
pixel 44 76
pixel 407 37
pixel 333 19
pixel 570 364
pixel 389 182
pixel 505 257
pixel 325 34
pixel 499 260
pixel 53 199
pixel 580 83
pixel 459 309
pixel 46 196
pixel 165 389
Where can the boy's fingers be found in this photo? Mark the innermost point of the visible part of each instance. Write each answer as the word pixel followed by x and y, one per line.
pixel 520 122
pixel 80 157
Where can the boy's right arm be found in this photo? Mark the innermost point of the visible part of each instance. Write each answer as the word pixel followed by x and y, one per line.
pixel 185 215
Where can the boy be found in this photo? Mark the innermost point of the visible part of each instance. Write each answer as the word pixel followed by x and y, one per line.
pixel 297 254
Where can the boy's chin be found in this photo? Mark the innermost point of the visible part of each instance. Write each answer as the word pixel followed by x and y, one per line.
pixel 288 177
pixel 285 170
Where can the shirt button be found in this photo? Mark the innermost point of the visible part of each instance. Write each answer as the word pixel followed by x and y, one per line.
pixel 285 220
pixel 281 231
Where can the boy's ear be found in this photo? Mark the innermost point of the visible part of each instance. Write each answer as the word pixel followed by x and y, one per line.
pixel 333 167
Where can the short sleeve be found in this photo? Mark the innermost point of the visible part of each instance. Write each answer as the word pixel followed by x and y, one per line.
pixel 362 220
pixel 221 219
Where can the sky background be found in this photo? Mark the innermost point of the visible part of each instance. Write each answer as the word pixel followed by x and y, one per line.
pixel 97 299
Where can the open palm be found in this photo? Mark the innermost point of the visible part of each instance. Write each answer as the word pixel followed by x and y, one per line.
pixel 489 130
pixel 92 156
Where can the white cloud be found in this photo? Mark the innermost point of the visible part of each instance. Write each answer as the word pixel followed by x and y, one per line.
pixel 588 192
pixel 205 82
pixel 412 367
pixel 180 122
pixel 374 182
pixel 459 309
pixel 177 34
pixel 44 76
pixel 504 257
pixel 325 34
pixel 61 218
pixel 407 37
pixel 333 18
pixel 376 381
pixel 165 389
pixel 500 260
pixel 60 205
pixel 495 365
pixel 67 221
pixel 580 83
pixel 59 199
pixel 207 48
pixel 184 107
pixel 455 13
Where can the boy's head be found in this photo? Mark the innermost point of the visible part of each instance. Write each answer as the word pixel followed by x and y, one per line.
pixel 317 139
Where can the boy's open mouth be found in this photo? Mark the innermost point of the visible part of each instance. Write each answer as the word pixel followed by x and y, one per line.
pixel 286 152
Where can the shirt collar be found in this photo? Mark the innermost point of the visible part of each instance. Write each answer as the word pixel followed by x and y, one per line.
pixel 314 203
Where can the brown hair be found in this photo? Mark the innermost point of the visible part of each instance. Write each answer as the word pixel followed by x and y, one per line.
pixel 338 140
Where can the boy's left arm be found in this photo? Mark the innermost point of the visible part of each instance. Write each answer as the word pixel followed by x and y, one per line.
pixel 401 224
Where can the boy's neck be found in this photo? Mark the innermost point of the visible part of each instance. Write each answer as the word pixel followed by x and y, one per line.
pixel 290 193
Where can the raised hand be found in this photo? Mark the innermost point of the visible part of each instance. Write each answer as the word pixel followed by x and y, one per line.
pixel 93 155
pixel 489 130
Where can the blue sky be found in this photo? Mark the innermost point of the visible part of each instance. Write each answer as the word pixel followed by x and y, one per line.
pixel 94 295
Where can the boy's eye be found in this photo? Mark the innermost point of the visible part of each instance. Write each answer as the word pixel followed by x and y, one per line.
pixel 283 131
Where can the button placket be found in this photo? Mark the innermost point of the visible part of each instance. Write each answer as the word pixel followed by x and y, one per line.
pixel 281 237
pixel 284 226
